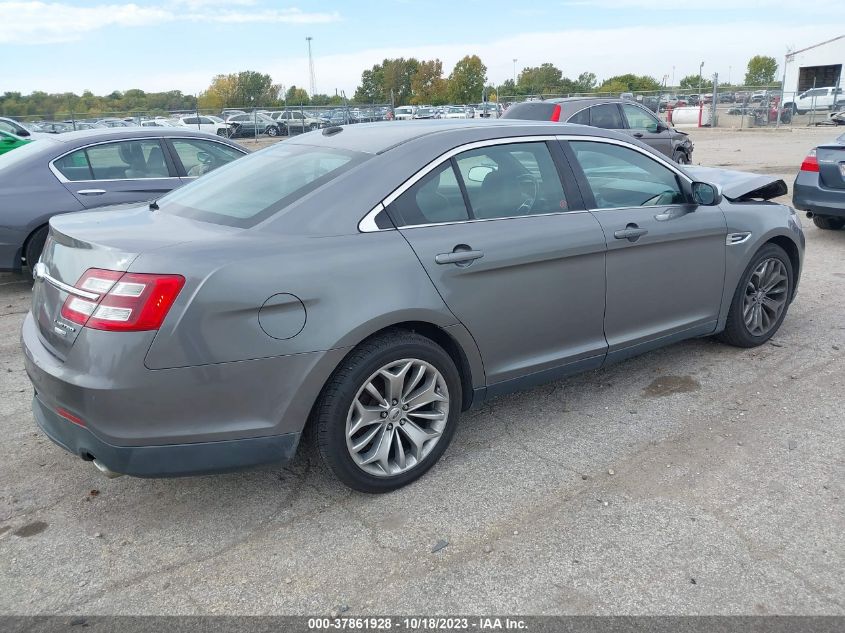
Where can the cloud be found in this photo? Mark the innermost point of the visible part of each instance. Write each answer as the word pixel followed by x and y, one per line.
pixel 606 52
pixel 44 23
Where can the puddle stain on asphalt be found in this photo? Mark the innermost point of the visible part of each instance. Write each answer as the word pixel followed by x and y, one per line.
pixel 31 529
pixel 668 385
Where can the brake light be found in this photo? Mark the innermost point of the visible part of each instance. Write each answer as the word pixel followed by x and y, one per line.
pixel 127 302
pixel 556 113
pixel 811 163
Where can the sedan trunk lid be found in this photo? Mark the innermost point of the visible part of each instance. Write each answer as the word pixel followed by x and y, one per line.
pixel 831 158
pixel 109 240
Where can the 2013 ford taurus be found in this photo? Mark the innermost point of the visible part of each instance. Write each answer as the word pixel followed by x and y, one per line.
pixel 375 281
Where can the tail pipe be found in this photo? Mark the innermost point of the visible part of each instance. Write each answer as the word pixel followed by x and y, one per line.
pixel 106 470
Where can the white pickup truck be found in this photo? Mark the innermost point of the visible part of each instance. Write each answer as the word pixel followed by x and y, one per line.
pixel 815 99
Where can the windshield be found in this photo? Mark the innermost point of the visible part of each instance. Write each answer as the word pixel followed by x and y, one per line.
pixel 253 188
pixel 10 159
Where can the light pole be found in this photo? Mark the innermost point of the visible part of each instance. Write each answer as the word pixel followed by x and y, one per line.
pixel 514 73
pixel 729 75
pixel 311 65
pixel 700 68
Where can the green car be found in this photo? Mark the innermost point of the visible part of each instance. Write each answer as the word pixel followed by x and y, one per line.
pixel 8 142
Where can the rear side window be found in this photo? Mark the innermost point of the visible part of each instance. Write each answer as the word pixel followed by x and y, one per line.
pixel 124 160
pixel 530 111
pixel 606 116
pixel 252 189
pixel 581 118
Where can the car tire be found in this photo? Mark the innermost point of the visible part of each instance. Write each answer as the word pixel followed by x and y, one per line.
pixel 334 413
pixel 224 132
pixel 34 246
pixel 682 158
pixel 313 127
pixel 272 131
pixel 797 111
pixel 737 331
pixel 828 223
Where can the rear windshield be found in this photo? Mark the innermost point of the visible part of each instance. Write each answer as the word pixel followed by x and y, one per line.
pixel 531 111
pixel 251 189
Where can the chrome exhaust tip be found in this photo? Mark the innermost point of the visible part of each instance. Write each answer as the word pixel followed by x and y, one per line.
pixel 106 471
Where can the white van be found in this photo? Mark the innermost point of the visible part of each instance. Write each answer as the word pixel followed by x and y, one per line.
pixel 404 113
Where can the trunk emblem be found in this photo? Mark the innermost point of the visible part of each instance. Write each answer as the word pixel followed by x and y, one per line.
pixel 63 328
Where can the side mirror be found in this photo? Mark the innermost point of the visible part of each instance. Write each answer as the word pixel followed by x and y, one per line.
pixel 24 133
pixel 661 127
pixel 705 194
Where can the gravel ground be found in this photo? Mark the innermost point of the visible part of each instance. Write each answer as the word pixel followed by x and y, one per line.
pixel 698 479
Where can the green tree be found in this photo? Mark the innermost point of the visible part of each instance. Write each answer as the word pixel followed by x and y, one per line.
pixel 428 85
pixel 544 79
pixel 467 80
pixel 629 83
pixel 586 82
pixel 371 89
pixel 296 95
pixel 761 71
pixel 397 79
pixel 691 82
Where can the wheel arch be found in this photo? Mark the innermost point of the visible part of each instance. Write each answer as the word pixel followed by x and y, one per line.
pixel 791 248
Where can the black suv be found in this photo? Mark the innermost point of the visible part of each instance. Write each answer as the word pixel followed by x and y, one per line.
pixel 612 114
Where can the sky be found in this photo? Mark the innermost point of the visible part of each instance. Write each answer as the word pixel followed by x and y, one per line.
pixel 154 45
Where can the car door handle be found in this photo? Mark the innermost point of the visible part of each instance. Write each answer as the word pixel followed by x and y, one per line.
pixel 91 192
pixel 631 233
pixel 458 257
pixel 638 134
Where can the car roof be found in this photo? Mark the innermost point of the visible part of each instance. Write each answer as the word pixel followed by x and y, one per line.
pixel 117 133
pixel 379 137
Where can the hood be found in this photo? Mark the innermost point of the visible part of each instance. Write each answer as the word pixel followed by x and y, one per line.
pixel 740 185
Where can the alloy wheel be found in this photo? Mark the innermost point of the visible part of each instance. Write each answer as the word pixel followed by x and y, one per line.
pixel 397 417
pixel 765 296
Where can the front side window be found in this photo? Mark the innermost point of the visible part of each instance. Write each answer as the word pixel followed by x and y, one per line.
pixel 639 119
pixel 622 177
pixel 124 160
pixel 606 116
pixel 511 180
pixel 259 185
pixel 200 157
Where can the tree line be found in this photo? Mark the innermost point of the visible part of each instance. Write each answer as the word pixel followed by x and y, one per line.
pixel 397 81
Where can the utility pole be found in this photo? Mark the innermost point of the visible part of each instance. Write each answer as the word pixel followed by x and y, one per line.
pixel 311 66
pixel 514 73
pixel 700 68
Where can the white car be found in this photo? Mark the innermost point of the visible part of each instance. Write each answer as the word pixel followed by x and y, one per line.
pixel 456 112
pixel 404 113
pixel 159 123
pixel 487 111
pixel 815 99
pixel 206 123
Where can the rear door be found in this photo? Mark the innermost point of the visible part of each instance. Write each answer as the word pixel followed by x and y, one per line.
pixel 117 172
pixel 513 256
pixel 646 127
pixel 665 256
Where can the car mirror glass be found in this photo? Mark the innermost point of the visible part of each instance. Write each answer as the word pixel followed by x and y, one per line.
pixel 705 194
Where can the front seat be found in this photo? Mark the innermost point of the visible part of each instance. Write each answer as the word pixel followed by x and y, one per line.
pixel 500 195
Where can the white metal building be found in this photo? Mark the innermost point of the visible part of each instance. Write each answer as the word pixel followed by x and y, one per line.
pixel 815 66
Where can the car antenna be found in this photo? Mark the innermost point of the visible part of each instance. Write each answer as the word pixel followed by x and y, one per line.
pixel 154 205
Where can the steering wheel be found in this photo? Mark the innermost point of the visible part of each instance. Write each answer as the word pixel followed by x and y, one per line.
pixel 664 197
pixel 529 188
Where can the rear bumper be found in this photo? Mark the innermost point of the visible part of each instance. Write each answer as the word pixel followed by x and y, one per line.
pixel 174 460
pixel 809 196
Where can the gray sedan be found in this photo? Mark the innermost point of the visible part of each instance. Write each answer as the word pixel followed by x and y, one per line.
pixel 96 168
pixel 820 185
pixel 375 281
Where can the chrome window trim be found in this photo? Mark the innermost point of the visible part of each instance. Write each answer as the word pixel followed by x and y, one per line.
pixel 61 178
pixel 367 224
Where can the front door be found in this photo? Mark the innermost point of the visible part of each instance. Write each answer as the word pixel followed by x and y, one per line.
pixel 520 269
pixel 665 255
pixel 643 125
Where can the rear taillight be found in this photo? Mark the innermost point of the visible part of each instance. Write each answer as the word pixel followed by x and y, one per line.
pixel 811 163
pixel 556 113
pixel 127 302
